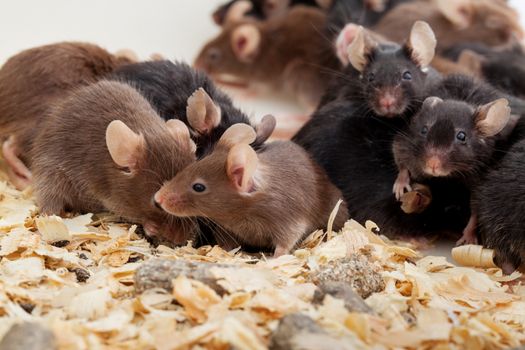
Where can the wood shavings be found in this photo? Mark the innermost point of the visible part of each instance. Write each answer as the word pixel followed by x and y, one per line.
pixel 106 288
pixel 473 255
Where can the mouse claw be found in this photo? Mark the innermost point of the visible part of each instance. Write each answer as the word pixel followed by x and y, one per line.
pixel 402 184
pixel 469 233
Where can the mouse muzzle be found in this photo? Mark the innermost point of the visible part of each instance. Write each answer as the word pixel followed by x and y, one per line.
pixel 389 101
pixel 435 164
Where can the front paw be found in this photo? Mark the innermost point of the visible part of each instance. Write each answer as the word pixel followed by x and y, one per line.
pixel 402 184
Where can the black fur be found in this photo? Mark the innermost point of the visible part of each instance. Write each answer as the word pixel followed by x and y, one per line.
pixel 356 152
pixel 501 206
pixel 504 69
pixel 167 86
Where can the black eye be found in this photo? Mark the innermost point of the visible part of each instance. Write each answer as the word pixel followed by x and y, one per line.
pixel 371 77
pixel 461 136
pixel 198 187
pixel 407 75
pixel 214 54
pixel 424 130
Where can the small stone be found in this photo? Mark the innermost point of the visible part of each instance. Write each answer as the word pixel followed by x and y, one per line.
pixel 82 274
pixel 344 291
pixel 158 273
pixel 28 307
pixel 354 270
pixel 60 244
pixel 300 332
pixel 28 336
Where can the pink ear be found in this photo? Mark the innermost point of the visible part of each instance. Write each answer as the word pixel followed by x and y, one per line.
pixel 124 145
pixel 202 113
pixel 245 41
pixel 241 166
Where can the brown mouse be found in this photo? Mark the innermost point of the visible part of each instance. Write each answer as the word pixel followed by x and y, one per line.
pixel 290 54
pixel 492 22
pixel 105 148
pixel 35 78
pixel 268 199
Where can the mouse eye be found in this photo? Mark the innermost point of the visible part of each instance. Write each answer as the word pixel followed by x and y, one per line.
pixel 214 55
pixel 371 77
pixel 407 75
pixel 424 130
pixel 461 136
pixel 198 187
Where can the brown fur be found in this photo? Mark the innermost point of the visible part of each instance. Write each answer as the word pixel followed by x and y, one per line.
pixel 73 169
pixel 293 55
pixel 490 22
pixel 291 197
pixel 33 79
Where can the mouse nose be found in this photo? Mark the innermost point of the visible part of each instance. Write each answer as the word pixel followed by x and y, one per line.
pixel 434 163
pixel 387 101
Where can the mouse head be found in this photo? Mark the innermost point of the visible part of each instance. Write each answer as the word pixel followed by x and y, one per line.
pixel 234 52
pixel 449 137
pixel 206 120
pixel 219 185
pixel 392 77
pixel 490 21
pixel 141 163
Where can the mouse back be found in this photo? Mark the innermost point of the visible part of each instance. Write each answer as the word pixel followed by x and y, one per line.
pixel 116 161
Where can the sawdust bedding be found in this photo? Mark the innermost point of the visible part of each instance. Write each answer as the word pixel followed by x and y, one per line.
pixel 75 277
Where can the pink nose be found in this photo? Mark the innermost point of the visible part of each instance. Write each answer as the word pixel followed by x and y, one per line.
pixel 387 101
pixel 434 163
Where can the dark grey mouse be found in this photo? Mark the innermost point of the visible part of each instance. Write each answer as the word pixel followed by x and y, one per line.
pixel 500 206
pixel 177 91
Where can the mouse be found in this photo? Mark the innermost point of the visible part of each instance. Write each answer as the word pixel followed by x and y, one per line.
pixel 104 148
pixel 500 208
pixel 291 55
pixel 359 12
pixel 270 199
pixel 177 91
pixel 386 79
pixel 32 80
pixel 454 21
pixel 451 138
pixel 235 10
pixel 503 67
pixel 355 150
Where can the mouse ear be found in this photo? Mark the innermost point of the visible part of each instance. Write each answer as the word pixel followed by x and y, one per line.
pixel 241 166
pixel 360 48
pixel 236 134
pixel 472 61
pixel 245 42
pixel 202 113
pixel 458 12
pixel 431 102
pixel 493 117
pixel 124 145
pixel 421 44
pixel 265 129
pixel 180 132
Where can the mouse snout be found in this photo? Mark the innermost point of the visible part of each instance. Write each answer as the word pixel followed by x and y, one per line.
pixel 434 164
pixel 389 101
pixel 168 201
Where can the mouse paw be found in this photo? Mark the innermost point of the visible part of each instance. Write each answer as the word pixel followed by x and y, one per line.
pixel 344 39
pixel 402 184
pixel 469 233
pixel 19 175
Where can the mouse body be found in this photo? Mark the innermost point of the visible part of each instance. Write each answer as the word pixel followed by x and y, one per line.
pixel 177 91
pixel 235 10
pixel 487 21
pixel 103 147
pixel 503 67
pixel 271 198
pixel 34 79
pixel 500 207
pixel 291 55
pixel 461 132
